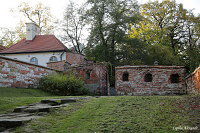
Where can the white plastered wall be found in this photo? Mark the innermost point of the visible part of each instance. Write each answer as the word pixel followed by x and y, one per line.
pixel 43 58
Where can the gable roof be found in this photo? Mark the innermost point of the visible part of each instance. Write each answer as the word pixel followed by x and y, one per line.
pixel 41 43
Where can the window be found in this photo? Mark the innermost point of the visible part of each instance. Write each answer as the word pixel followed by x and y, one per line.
pixel 174 78
pixel 34 61
pixel 53 59
pixel 125 76
pixel 87 75
pixel 148 77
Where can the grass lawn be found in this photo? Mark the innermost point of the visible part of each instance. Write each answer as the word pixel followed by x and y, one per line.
pixel 137 114
pixel 14 97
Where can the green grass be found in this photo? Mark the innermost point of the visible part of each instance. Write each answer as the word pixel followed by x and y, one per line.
pixel 19 92
pixel 115 114
pixel 120 114
pixel 14 97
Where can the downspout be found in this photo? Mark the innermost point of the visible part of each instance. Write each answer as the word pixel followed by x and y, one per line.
pixel 61 56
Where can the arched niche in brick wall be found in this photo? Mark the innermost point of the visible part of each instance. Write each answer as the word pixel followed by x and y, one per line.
pixel 125 76
pixel 148 77
pixel 174 78
pixel 87 74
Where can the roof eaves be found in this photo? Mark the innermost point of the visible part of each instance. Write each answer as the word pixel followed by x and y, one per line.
pixel 33 52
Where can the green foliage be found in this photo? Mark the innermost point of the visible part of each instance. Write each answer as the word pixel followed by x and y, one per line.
pixel 167 26
pixel 192 59
pixel 132 52
pixel 111 73
pixel 163 54
pixel 109 21
pixel 63 85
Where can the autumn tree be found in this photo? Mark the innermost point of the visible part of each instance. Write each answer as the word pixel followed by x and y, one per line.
pixel 162 23
pixel 73 26
pixel 168 24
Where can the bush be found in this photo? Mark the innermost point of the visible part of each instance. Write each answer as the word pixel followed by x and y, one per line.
pixel 63 85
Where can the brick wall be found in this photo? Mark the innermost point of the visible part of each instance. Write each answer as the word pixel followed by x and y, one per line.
pixel 14 73
pixel 160 84
pixel 74 58
pixel 59 65
pixel 94 75
pixel 193 82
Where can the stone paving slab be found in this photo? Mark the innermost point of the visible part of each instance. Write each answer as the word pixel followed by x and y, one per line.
pixel 23 114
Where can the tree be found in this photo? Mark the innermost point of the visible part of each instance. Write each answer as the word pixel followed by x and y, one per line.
pixel 73 27
pixel 132 52
pixel 8 37
pixel 110 21
pixel 163 23
pixel 168 24
pixel 39 15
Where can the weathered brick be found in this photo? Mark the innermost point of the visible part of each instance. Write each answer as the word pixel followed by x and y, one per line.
pixel 20 74
pixel 23 71
pixel 94 76
pixel 3 72
pixel 159 85
pixel 11 76
pixel 193 82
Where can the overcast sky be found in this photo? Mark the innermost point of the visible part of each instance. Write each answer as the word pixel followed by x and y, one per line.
pixel 10 20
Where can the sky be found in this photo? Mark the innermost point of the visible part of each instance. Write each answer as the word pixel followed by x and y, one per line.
pixel 9 19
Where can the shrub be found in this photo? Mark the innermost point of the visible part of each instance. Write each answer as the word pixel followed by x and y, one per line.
pixel 63 85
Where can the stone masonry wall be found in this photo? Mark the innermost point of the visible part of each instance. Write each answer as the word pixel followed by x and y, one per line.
pixel 193 82
pixel 160 85
pixel 94 75
pixel 14 73
pixel 59 65
pixel 74 58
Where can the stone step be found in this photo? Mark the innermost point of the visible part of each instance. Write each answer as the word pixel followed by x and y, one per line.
pixel 52 102
pixel 24 114
pixel 15 119
pixel 68 100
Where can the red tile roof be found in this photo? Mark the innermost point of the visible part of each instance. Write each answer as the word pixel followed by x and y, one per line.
pixel 2 48
pixel 41 43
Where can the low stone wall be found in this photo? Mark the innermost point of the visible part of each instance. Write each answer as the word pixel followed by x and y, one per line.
pixel 193 82
pixel 59 65
pixel 159 80
pixel 14 73
pixel 74 58
pixel 95 76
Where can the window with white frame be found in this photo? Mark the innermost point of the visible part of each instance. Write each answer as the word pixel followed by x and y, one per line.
pixel 53 59
pixel 34 60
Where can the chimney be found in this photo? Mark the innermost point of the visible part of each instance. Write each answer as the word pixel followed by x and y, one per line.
pixel 31 31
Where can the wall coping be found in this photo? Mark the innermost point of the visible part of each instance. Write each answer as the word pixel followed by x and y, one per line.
pixel 146 66
pixel 6 58
pixel 56 62
pixel 86 64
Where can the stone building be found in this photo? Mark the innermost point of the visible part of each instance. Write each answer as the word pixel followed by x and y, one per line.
pixel 150 80
pixel 15 73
